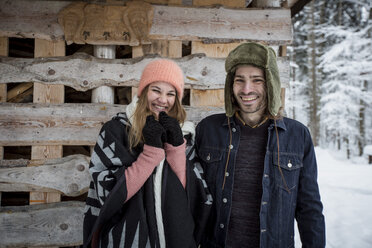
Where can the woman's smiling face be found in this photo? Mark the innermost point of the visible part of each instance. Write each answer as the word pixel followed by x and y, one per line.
pixel 161 97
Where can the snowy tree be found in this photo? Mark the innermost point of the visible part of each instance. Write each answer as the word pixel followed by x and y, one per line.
pixel 348 67
pixel 332 72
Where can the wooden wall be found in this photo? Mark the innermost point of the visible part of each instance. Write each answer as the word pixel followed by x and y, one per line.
pixel 57 180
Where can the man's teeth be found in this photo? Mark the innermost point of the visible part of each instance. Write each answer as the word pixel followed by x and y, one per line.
pixel 249 98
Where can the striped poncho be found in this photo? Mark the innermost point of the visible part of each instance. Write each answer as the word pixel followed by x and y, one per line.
pixel 111 221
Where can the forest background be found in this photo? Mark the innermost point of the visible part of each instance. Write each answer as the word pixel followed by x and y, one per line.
pixel 331 70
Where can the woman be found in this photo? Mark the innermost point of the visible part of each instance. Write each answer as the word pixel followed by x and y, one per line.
pixel 146 189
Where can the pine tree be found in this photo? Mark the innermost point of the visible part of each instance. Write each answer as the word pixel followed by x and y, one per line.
pixel 332 65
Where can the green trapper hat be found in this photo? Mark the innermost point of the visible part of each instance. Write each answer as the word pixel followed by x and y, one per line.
pixel 260 56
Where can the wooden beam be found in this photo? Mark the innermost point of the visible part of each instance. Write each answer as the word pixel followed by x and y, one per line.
pixel 170 2
pixel 25 96
pixel 84 72
pixel 164 48
pixel 4 50
pixel 64 124
pixel 226 3
pixel 47 94
pixel 19 89
pixel 222 24
pixel 266 3
pixel 219 50
pixel 211 97
pixel 55 224
pixel 38 19
pixel 68 176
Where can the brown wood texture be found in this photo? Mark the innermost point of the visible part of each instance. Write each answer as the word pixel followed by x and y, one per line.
pixel 164 48
pixel 64 124
pixel 47 94
pixel 227 3
pixel 38 19
pixel 211 97
pixel 222 24
pixel 4 49
pixel 68 176
pixel 19 89
pixel 83 72
pixel 54 224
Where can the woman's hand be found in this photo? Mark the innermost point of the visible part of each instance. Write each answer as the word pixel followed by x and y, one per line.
pixel 153 132
pixel 172 128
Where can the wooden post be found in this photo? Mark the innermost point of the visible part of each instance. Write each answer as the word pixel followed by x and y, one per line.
pixel 165 48
pixel 4 51
pixel 104 94
pixel 227 3
pixel 213 97
pixel 266 3
pixel 47 94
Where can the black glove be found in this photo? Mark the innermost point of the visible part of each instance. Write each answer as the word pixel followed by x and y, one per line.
pixel 172 128
pixel 153 133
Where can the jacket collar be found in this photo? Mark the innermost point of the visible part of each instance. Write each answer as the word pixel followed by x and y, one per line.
pixel 279 123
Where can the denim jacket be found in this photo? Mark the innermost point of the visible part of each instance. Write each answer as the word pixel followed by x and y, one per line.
pixel 287 193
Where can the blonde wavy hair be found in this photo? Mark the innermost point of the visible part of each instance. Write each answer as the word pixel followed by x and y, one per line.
pixel 141 113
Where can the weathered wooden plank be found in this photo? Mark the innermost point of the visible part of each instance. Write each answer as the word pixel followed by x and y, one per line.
pixel 266 3
pixel 12 163
pixel 38 19
pixel 64 124
pixel 4 50
pixel 227 3
pixel 212 97
pixel 222 24
pixel 164 48
pixel 68 176
pixel 53 224
pixel 218 50
pixel 31 19
pixel 83 72
pixel 47 94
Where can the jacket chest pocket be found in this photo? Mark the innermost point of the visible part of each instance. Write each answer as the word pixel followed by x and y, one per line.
pixel 211 160
pixel 287 169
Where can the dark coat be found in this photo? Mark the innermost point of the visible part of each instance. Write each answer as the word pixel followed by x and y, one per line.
pixel 283 200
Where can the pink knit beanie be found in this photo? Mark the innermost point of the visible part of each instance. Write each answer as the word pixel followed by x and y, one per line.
pixel 164 70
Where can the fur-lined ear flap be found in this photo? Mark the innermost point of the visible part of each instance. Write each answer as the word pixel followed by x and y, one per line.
pixel 229 107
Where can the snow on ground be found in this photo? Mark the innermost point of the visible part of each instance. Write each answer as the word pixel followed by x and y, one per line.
pixel 346 192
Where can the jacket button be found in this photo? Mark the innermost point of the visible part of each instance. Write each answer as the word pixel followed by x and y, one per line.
pixel 224 200
pixel 231 146
pixel 233 129
pixel 222 225
pixel 289 164
pixel 227 174
pixel 209 157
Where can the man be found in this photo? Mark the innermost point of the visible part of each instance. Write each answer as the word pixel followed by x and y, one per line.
pixel 260 167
